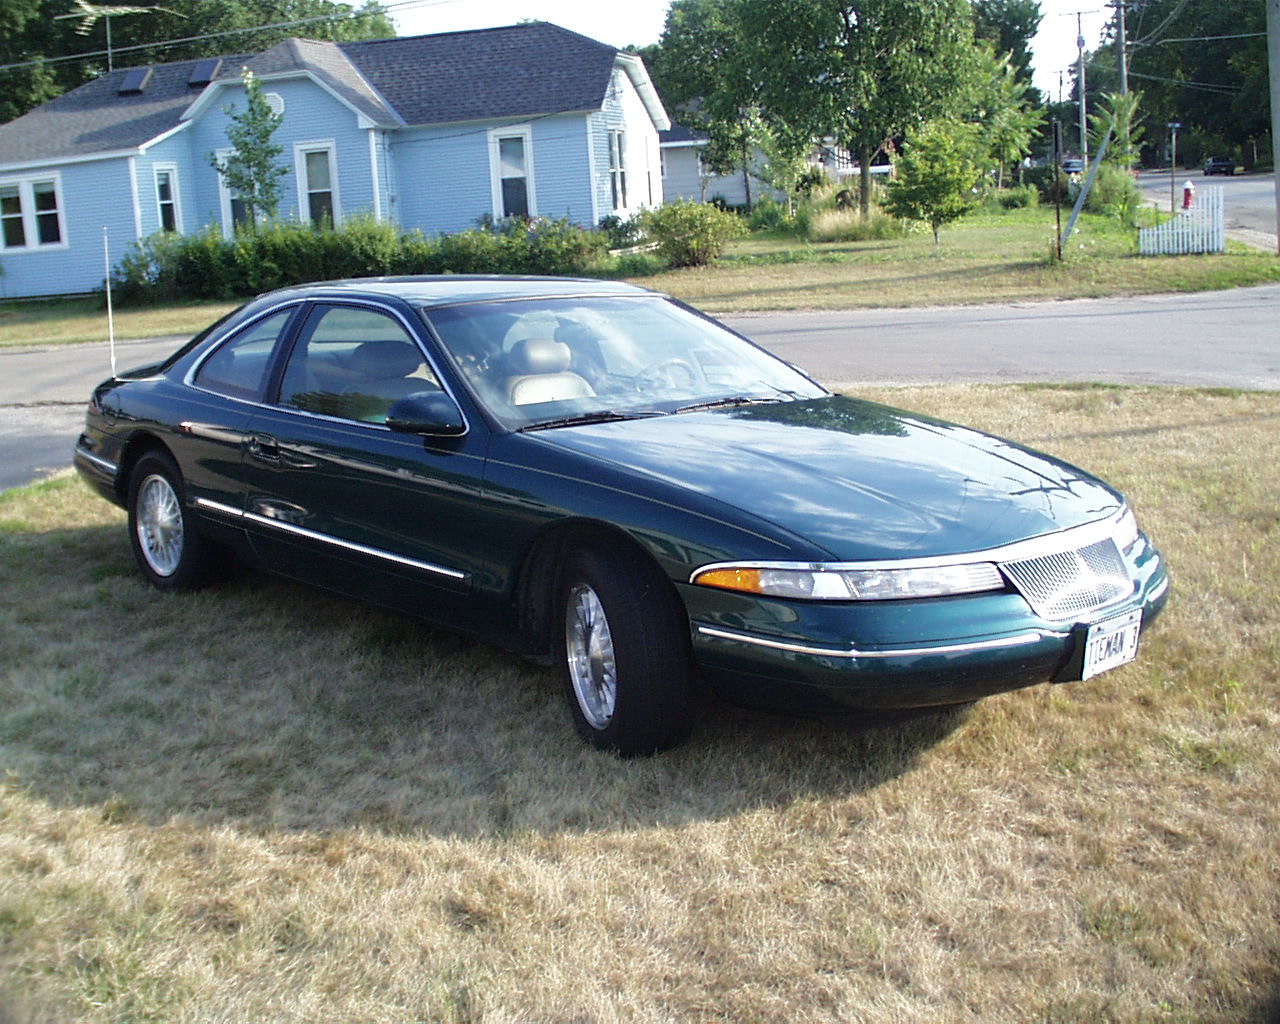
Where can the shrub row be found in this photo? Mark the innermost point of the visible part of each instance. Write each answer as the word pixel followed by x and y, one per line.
pixel 168 267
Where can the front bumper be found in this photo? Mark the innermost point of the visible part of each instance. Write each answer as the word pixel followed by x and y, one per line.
pixel 100 472
pixel 815 657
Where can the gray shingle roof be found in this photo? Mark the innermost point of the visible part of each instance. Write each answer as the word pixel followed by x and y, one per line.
pixel 518 71
pixel 515 72
pixel 95 118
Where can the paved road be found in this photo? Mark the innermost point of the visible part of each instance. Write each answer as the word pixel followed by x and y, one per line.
pixel 1249 199
pixel 1223 339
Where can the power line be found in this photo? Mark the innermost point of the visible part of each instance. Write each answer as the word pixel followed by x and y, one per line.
pixel 1226 90
pixel 1206 39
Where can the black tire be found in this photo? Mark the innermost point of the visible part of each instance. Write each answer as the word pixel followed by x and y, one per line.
pixel 623 642
pixel 166 544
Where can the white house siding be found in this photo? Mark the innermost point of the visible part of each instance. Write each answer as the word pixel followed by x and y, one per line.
pixel 681 178
pixel 93 195
pixel 623 110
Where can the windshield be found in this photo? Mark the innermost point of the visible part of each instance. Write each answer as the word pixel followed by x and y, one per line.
pixel 553 362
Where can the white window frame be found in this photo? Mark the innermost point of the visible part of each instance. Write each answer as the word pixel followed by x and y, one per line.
pixel 175 192
pixel 27 204
pixel 521 131
pixel 618 169
pixel 300 153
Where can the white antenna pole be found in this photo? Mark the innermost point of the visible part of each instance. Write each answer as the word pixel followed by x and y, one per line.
pixel 111 320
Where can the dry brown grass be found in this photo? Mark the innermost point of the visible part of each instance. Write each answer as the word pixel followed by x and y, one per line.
pixel 260 803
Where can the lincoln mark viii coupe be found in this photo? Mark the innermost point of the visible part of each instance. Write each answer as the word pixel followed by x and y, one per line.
pixel 596 475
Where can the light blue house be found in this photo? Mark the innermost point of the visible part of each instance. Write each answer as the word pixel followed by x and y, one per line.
pixel 429 132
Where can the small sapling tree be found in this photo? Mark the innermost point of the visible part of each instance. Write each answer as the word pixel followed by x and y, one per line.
pixel 935 175
pixel 251 171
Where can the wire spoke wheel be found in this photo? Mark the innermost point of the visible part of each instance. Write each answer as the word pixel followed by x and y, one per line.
pixel 592 663
pixel 625 660
pixel 159 525
pixel 166 543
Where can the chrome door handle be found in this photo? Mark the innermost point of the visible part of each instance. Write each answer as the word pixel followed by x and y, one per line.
pixel 264 448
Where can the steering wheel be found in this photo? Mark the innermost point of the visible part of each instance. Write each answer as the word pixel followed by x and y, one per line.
pixel 670 374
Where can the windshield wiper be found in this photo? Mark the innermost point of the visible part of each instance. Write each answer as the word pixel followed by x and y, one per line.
pixel 730 400
pixel 599 416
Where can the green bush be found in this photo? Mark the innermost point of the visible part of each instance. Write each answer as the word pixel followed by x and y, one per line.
pixel 1018 197
pixel 690 234
pixel 771 215
pixel 168 267
pixel 1114 194
pixel 622 233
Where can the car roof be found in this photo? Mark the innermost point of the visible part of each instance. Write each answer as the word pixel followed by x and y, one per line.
pixel 450 289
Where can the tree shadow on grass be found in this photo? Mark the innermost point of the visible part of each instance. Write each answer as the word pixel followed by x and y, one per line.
pixel 265 705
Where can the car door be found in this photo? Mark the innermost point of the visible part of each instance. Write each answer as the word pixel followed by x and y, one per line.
pixel 336 498
pixel 226 386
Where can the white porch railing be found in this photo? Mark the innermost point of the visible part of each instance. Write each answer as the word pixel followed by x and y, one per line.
pixel 1200 229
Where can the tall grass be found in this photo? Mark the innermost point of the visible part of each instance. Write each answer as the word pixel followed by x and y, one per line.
pixel 261 803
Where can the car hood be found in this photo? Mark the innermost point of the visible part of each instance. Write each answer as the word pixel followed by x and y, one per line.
pixel 856 479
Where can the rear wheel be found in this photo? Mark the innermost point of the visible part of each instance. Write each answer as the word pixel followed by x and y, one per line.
pixel 170 552
pixel 625 655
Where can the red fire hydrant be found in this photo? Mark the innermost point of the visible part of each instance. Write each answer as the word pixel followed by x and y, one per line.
pixel 1188 195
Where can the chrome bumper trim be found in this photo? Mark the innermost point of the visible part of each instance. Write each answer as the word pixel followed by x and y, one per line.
pixel 1031 637
pixel 1158 591
pixel 324 538
pixel 110 468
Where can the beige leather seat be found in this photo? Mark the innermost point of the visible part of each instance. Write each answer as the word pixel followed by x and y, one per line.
pixel 540 373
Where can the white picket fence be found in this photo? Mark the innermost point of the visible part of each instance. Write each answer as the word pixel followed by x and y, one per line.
pixel 1199 229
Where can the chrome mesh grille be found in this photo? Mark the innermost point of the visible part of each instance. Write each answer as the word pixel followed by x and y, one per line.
pixel 1070 584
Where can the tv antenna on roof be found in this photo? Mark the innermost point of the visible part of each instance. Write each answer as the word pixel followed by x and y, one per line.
pixel 90 13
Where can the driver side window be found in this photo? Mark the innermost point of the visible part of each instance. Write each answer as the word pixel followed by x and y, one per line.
pixel 353 363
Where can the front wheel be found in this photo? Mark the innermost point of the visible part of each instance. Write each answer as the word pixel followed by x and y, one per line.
pixel 166 546
pixel 626 659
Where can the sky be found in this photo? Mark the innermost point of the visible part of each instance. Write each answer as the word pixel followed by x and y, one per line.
pixel 621 22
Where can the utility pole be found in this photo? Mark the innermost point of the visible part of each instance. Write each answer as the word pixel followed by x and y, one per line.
pixel 1084 134
pixel 1121 43
pixel 1273 60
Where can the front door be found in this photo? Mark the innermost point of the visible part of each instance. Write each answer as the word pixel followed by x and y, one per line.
pixel 335 497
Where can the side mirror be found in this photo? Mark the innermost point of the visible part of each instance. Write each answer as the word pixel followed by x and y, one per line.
pixel 431 413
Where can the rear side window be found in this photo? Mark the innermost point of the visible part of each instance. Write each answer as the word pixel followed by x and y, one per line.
pixel 238 369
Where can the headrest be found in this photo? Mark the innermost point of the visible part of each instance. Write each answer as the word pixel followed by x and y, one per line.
pixel 540 355
pixel 385 359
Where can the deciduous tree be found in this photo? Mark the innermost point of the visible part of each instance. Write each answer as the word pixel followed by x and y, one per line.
pixel 936 174
pixel 861 72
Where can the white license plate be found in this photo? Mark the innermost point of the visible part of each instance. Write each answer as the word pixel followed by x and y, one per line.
pixel 1111 643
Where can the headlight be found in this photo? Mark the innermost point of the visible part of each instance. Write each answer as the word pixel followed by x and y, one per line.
pixel 836 583
pixel 1126 532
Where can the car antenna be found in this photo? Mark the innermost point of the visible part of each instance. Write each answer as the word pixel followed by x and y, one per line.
pixel 111 320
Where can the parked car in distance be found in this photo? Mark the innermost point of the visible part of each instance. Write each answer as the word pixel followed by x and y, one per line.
pixel 596 475
pixel 1220 165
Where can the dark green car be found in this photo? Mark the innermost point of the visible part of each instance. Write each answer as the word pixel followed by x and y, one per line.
pixel 596 475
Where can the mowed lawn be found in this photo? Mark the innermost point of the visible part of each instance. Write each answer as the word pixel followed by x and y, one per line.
pixel 262 804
